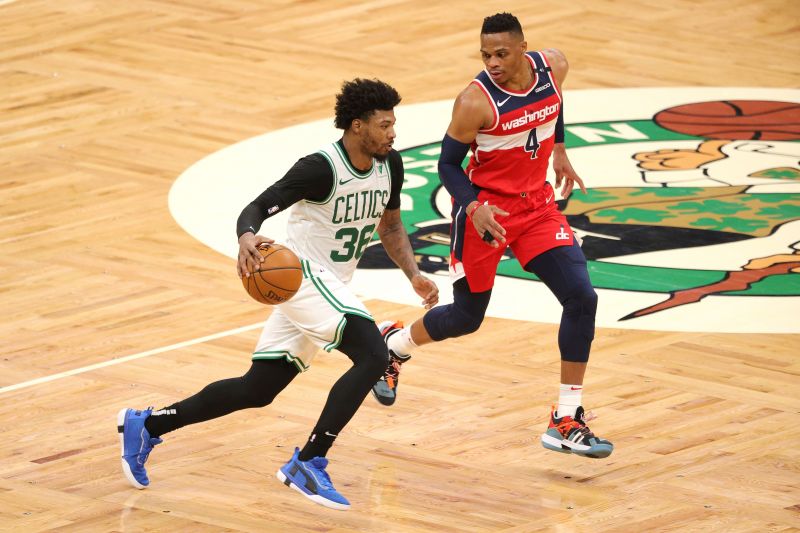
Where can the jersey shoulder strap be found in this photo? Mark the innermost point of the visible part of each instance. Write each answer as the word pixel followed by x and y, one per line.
pixel 538 61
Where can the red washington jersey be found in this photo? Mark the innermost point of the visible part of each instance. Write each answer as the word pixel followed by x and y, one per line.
pixel 512 156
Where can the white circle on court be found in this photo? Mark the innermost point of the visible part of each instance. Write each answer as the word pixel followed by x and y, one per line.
pixel 207 198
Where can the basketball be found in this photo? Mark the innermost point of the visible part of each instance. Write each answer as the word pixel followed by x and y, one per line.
pixel 277 279
pixel 734 120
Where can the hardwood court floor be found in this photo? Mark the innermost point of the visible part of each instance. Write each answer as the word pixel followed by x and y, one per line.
pixel 103 104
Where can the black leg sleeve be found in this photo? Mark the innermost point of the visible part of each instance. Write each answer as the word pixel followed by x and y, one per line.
pixel 462 317
pixel 363 344
pixel 564 271
pixel 257 388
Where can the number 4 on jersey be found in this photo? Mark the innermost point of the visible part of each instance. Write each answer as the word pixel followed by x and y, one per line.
pixel 532 144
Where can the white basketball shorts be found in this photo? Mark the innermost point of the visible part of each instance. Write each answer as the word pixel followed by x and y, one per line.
pixel 313 318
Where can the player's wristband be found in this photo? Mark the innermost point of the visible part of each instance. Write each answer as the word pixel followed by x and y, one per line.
pixel 476 208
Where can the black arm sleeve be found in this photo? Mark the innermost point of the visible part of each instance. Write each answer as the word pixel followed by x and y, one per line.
pixel 311 178
pixel 451 174
pixel 396 168
pixel 560 125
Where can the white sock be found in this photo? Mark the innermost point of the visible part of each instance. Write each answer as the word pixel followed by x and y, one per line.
pixel 401 342
pixel 569 399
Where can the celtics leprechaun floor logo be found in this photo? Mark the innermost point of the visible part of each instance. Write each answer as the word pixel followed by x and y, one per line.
pixel 691 220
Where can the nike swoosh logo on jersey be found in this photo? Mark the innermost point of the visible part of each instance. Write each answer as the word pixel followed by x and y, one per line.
pixel 343 181
pixel 500 104
pixel 547 200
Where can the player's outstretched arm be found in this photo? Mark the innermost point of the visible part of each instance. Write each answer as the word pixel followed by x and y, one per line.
pixel 395 241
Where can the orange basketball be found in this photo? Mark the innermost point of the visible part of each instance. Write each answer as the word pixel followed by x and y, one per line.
pixel 277 279
pixel 734 120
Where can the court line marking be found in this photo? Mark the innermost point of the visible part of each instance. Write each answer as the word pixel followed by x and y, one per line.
pixel 125 359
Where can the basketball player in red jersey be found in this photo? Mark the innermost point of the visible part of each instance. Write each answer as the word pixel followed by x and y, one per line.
pixel 511 116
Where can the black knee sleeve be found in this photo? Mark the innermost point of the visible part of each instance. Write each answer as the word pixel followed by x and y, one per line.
pixel 254 395
pixel 257 388
pixel 448 321
pixel 564 271
pixel 375 360
pixel 363 344
pixel 462 317
pixel 577 325
pixel 263 382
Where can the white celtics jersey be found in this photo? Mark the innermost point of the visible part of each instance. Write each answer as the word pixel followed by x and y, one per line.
pixel 336 231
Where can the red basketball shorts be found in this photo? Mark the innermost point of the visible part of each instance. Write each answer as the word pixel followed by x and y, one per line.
pixel 533 226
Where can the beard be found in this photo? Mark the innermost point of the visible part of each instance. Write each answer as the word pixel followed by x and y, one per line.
pixel 374 147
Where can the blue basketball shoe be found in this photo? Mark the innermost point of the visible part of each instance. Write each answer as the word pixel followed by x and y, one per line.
pixel 310 479
pixel 385 389
pixel 136 445
pixel 570 434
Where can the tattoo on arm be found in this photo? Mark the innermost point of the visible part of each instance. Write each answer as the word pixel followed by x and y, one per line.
pixel 395 241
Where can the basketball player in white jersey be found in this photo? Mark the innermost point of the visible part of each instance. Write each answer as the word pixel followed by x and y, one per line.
pixel 339 196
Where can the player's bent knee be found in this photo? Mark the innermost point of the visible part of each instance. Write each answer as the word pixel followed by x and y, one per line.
pixel 256 394
pixel 588 299
pixel 372 362
pixel 377 362
pixel 462 317
pixel 453 320
pixel 259 399
pixel 581 307
pixel 577 325
pixel 582 300
pixel 262 383
pixel 365 346
pixel 469 324
pixel 376 355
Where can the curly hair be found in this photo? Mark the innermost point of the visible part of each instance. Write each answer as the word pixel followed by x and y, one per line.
pixel 361 98
pixel 500 23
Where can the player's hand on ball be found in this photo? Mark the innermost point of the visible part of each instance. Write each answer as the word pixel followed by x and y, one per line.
pixel 426 289
pixel 277 277
pixel 249 257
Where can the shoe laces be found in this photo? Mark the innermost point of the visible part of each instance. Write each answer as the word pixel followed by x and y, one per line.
pixel 566 424
pixel 585 431
pixel 148 447
pixel 393 370
pixel 318 465
pixel 392 374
